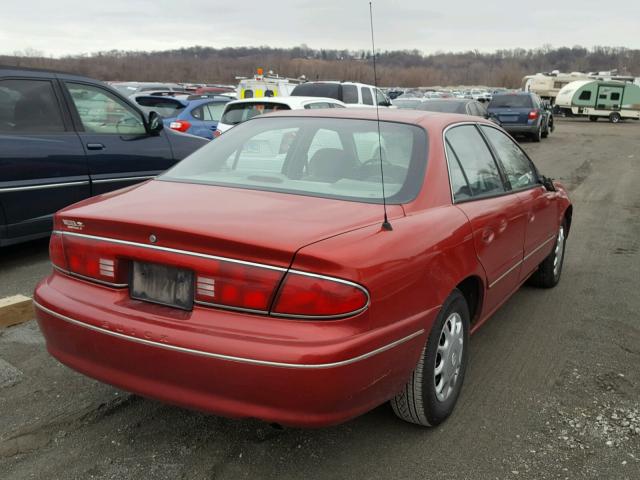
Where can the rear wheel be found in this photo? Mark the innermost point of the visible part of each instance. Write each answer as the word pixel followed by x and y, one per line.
pixel 615 117
pixel 548 273
pixel 432 391
pixel 546 131
pixel 593 118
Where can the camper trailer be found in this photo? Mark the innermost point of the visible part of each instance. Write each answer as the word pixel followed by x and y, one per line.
pixel 600 99
pixel 547 85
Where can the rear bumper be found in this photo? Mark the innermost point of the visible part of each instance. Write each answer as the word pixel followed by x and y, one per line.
pixel 303 377
pixel 521 128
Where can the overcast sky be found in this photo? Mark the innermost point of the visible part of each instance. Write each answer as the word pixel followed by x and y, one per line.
pixel 60 27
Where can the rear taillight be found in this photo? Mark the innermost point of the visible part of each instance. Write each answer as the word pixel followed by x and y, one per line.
pixel 216 133
pixel 88 258
pixel 56 251
pixel 305 295
pixel 237 285
pixel 533 114
pixel 180 125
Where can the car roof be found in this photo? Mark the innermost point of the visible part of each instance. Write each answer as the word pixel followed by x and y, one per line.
pixel 292 102
pixel 423 118
pixel 338 82
pixel 10 70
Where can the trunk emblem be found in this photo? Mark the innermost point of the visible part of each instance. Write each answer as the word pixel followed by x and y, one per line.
pixel 153 238
pixel 72 224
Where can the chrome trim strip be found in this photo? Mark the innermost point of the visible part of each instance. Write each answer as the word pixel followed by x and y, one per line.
pixel 231 358
pixel 169 250
pixel 522 261
pixel 90 279
pixel 230 307
pixel 506 273
pixel 44 186
pixel 552 237
pixel 123 179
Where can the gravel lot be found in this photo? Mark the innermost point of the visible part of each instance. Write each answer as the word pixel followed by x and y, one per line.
pixel 553 390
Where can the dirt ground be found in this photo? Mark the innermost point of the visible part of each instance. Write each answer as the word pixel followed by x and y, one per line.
pixel 553 389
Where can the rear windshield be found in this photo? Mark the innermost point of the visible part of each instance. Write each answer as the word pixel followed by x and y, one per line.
pixel 511 101
pixel 328 90
pixel 407 103
pixel 445 106
pixel 323 157
pixel 165 107
pixel 241 112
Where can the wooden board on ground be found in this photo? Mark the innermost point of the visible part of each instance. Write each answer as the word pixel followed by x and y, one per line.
pixel 15 309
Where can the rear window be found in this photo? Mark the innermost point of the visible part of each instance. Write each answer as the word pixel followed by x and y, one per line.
pixel 444 106
pixel 327 90
pixel 323 157
pixel 165 107
pixel 241 112
pixel 511 101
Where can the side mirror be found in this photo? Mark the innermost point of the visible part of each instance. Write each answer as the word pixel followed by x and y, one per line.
pixel 547 183
pixel 154 125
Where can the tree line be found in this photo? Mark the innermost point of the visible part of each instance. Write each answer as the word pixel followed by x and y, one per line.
pixel 407 68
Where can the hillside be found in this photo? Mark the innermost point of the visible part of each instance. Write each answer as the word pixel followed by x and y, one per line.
pixel 405 68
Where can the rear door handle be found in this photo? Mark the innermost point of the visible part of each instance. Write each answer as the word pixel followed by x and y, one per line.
pixel 95 146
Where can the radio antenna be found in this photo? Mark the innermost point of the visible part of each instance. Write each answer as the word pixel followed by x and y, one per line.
pixel 385 224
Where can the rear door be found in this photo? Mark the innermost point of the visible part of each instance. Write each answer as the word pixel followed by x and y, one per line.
pixel 208 115
pixel 497 216
pixel 42 163
pixel 119 150
pixel 541 206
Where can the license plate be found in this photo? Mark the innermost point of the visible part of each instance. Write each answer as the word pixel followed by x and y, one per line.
pixel 162 284
pixel 508 118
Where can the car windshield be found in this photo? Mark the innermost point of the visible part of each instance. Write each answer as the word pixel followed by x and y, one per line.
pixel 164 107
pixel 445 106
pixel 511 101
pixel 241 112
pixel 324 157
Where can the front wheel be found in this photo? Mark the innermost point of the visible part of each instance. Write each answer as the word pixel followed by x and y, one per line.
pixel 431 393
pixel 615 117
pixel 548 273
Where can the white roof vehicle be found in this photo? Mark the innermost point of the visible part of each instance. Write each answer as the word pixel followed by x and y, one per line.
pixel 351 93
pixel 240 111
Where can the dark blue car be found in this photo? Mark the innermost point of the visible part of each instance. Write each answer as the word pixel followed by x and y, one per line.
pixel 196 114
pixel 64 138
pixel 521 113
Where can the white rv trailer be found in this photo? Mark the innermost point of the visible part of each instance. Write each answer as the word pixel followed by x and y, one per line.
pixel 601 99
pixel 547 85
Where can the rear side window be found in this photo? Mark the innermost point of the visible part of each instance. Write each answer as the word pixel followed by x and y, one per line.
pixel 517 167
pixel 475 160
pixel 367 98
pixel 212 112
pixel 29 106
pixel 241 112
pixel 350 94
pixel 511 101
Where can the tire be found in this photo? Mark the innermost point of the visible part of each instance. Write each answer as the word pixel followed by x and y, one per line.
pixel 537 135
pixel 549 271
pixel 593 118
pixel 615 117
pixel 546 132
pixel 421 401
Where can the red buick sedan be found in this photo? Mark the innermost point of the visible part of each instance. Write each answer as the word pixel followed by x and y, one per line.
pixel 257 279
